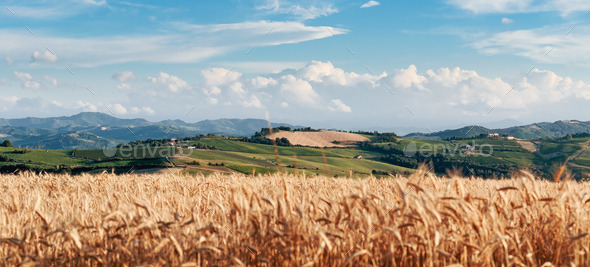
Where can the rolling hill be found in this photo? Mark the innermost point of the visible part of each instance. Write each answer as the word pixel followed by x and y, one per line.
pixel 97 130
pixel 532 131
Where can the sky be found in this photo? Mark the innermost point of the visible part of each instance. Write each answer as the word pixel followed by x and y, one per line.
pixel 345 64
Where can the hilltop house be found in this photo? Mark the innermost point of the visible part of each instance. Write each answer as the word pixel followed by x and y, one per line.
pixel 493 135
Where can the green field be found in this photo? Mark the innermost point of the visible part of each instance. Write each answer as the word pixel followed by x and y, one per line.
pixel 481 156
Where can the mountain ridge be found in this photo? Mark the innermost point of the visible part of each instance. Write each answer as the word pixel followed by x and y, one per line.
pixel 537 130
pixel 98 130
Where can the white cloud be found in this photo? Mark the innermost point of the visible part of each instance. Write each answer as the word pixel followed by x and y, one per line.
pixel 261 82
pixel 52 9
pixel 212 100
pixel 318 71
pixel 213 90
pixel 9 61
pixel 338 105
pixel 93 2
pixel 506 20
pixel 7 103
pixel 50 80
pixel 252 102
pixel 220 76
pixel 565 7
pixel 370 4
pixel 468 92
pixel 117 109
pixel 405 78
pixel 9 99
pixel 27 80
pixel 293 9
pixel 298 90
pixel 45 56
pixel 145 110
pixel 546 44
pixel 124 76
pixel 184 43
pixel 171 82
pixel 86 106
pixel 124 87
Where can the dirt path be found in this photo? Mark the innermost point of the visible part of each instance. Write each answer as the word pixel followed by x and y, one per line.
pixel 584 149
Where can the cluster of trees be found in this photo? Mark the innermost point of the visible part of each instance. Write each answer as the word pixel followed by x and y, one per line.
pixel 6 143
pixel 441 162
pixel 260 137
pixel 306 129
pixel 266 141
pixel 580 135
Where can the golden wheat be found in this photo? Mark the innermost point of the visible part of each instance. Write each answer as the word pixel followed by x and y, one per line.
pixel 285 220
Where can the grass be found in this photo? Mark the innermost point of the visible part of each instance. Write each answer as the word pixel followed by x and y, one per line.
pixel 286 220
pixel 43 157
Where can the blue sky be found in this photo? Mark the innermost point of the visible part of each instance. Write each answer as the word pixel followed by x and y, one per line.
pixel 324 63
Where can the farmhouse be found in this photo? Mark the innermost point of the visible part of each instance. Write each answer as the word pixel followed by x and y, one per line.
pixel 493 135
pixel 510 138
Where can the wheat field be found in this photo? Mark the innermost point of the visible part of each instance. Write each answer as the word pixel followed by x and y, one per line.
pixel 286 220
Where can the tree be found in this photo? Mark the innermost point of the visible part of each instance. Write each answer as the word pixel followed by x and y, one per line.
pixel 7 143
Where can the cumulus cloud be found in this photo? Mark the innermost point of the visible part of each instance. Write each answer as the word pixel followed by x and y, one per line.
pixel 261 82
pixel 86 106
pixel 468 91
pixel 9 99
pixel 145 110
pixel 370 4
pixel 117 109
pixel 213 90
pixel 405 78
pixel 171 82
pixel 298 90
pixel 338 105
pixel 44 57
pixel 220 76
pixel 320 72
pixel 27 81
pixel 124 76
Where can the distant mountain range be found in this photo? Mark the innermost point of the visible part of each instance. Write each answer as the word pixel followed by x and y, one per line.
pixel 98 130
pixel 531 131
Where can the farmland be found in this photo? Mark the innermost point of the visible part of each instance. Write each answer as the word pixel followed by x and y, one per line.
pixel 289 220
pixel 381 155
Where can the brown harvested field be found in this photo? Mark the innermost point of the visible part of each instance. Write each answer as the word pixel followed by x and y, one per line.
pixel 320 139
pixel 528 145
pixel 284 220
